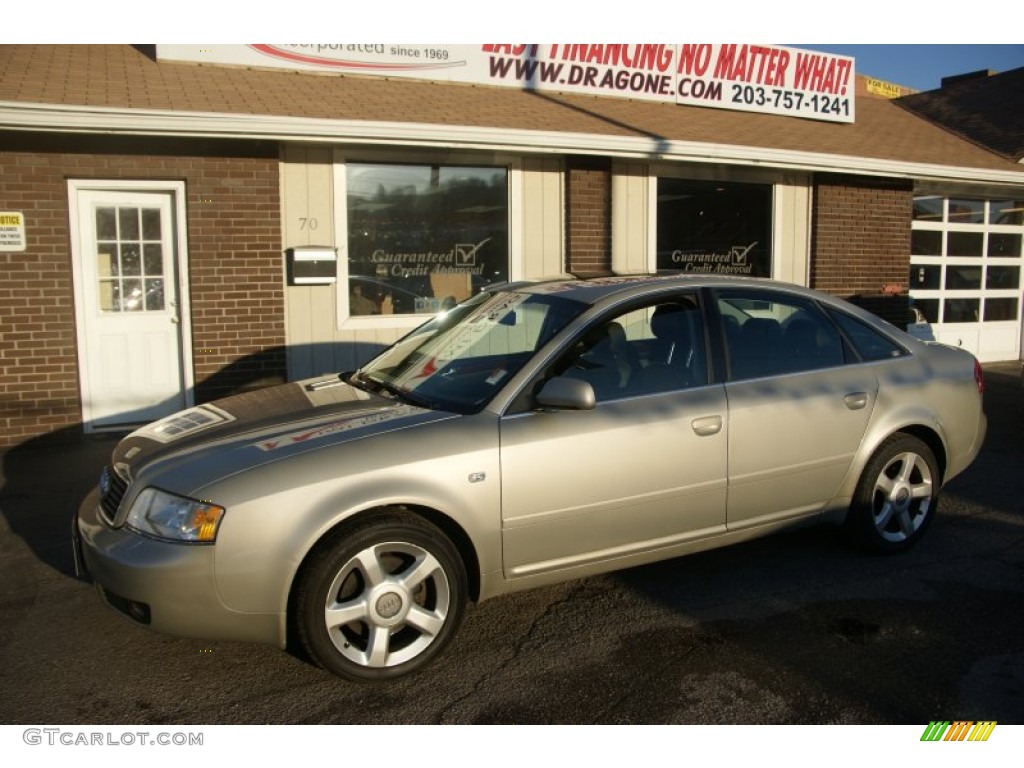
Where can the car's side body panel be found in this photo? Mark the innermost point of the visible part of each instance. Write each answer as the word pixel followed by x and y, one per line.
pixel 626 476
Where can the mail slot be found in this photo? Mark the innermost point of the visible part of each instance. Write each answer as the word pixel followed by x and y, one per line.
pixel 311 265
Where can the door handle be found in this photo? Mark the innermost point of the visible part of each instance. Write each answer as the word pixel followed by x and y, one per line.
pixel 856 400
pixel 707 425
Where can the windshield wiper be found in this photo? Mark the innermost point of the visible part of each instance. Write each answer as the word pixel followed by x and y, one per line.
pixel 381 387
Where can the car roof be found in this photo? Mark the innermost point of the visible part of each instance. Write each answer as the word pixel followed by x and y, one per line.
pixel 596 290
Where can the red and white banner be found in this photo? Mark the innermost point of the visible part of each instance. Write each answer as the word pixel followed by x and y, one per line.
pixel 754 78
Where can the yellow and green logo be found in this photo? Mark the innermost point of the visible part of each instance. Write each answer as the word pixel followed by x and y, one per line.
pixel 958 730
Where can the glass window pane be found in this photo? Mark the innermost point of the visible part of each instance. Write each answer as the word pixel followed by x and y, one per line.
pixel 1000 309
pixel 155 295
pixel 1006 212
pixel 422 238
pixel 129 221
pixel 1004 244
pixel 109 294
pixel 963 211
pixel 131 296
pixel 1002 278
pixel 925 243
pixel 153 259
pixel 782 335
pixel 960 277
pixel 925 277
pixel 131 259
pixel 151 224
pixel 965 243
pixel 961 310
pixel 714 227
pixel 869 343
pixel 106 224
pixel 928 208
pixel 927 310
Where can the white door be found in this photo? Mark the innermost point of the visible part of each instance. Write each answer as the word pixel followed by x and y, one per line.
pixel 130 341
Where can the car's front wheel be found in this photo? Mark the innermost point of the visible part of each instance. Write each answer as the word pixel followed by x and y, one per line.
pixel 896 497
pixel 381 597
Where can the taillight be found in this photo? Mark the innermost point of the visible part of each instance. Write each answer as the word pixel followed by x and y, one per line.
pixel 979 377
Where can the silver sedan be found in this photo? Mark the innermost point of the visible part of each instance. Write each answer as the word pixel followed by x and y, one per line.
pixel 536 433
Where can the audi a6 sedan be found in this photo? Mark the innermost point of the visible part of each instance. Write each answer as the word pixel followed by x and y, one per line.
pixel 535 433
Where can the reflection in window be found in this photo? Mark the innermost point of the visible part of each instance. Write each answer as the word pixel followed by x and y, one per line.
pixel 714 227
pixel 928 208
pixel 129 259
pixel 961 310
pixel 925 310
pixel 963 211
pixel 424 237
pixel 925 277
pixel 1009 212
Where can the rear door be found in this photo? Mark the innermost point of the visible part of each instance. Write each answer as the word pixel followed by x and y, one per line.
pixel 797 409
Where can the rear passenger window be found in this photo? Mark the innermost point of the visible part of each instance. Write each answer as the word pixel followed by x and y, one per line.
pixel 869 343
pixel 771 334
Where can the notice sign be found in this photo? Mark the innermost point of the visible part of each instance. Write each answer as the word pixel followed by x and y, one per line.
pixel 752 78
pixel 12 231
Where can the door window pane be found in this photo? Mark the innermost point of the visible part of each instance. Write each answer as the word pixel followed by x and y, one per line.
pixel 928 209
pixel 1000 309
pixel 961 310
pixel 961 277
pixel 129 259
pixel 963 211
pixel 965 243
pixel 714 227
pixel 1002 278
pixel 424 237
pixel 1004 244
pixel 1006 212
pixel 925 277
pixel 925 242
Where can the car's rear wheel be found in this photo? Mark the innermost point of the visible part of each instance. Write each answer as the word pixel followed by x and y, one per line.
pixel 381 597
pixel 896 497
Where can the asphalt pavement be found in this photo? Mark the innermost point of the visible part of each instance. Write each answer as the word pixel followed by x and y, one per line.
pixel 795 628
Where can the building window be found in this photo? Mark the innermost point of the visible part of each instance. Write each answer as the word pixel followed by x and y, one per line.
pixel 423 237
pixel 714 227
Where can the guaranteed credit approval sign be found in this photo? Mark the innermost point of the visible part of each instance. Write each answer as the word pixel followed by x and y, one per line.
pixel 754 78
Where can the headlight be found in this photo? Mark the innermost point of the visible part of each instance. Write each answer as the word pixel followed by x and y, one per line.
pixel 166 516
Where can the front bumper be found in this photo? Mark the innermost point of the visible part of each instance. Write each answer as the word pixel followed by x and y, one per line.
pixel 169 587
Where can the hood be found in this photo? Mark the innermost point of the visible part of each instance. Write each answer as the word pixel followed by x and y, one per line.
pixel 193 448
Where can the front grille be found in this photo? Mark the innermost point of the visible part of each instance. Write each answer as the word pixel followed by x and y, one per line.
pixel 112 490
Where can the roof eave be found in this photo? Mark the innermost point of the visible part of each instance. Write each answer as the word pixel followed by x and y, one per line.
pixel 64 118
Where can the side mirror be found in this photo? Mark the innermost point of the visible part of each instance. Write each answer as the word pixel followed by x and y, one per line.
pixel 565 394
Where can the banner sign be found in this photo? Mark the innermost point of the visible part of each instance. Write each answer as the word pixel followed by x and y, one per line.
pixel 753 78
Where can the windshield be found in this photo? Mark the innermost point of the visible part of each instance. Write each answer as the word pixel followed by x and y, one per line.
pixel 461 358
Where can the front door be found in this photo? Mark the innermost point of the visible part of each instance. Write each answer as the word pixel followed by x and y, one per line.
pixel 130 341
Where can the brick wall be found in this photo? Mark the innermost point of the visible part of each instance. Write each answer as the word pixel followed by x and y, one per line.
pixel 237 298
pixel 860 241
pixel 588 201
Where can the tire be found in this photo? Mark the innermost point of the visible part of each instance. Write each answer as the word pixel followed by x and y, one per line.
pixel 380 598
pixel 897 496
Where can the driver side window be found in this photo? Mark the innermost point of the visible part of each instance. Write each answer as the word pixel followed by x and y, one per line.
pixel 649 350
